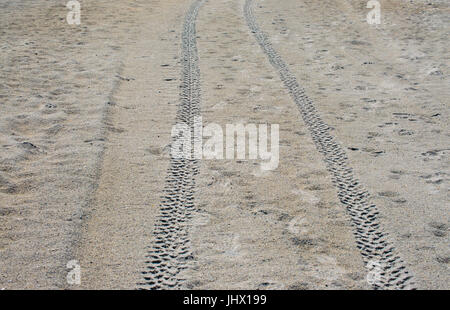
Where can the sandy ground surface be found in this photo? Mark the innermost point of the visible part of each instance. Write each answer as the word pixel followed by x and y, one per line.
pixel 384 91
pixel 85 132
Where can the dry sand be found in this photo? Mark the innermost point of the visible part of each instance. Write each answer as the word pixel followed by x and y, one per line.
pixel 86 114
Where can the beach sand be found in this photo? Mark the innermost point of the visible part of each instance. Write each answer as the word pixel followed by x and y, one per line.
pixel 86 113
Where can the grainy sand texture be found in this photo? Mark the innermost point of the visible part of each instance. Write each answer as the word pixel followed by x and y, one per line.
pixel 360 196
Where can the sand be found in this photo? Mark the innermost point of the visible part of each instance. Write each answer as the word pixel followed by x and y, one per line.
pixel 86 115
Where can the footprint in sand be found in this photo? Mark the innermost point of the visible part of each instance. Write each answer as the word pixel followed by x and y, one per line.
pixel 306 196
pixel 201 219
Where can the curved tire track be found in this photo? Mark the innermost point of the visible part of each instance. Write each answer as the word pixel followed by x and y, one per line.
pixel 170 252
pixel 385 269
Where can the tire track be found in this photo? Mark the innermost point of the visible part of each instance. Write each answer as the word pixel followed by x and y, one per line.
pixel 385 268
pixel 170 252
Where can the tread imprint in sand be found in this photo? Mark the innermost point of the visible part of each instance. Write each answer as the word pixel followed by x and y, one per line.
pixel 371 240
pixel 170 252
